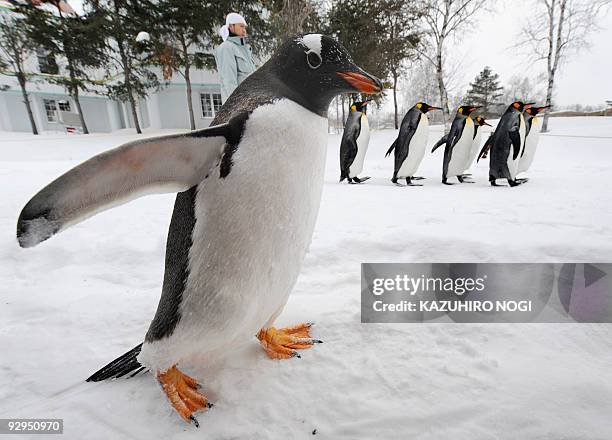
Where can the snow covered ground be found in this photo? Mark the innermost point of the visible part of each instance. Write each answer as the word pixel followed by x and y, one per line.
pixel 86 296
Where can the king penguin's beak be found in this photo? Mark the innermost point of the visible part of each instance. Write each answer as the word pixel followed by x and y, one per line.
pixel 362 81
pixel 431 107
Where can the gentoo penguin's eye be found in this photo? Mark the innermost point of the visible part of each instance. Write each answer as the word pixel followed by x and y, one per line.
pixel 313 59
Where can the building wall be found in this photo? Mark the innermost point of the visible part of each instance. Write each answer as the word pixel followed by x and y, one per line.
pixel 164 109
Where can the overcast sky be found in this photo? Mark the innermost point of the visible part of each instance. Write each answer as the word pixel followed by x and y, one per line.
pixel 585 78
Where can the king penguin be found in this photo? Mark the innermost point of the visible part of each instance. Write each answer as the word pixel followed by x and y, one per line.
pixel 354 144
pixel 479 122
pixel 249 192
pixel 410 143
pixel 458 145
pixel 532 137
pixel 506 144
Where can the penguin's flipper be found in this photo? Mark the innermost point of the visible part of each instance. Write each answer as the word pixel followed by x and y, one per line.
pixel 393 145
pixel 441 142
pixel 515 138
pixel 485 148
pixel 155 165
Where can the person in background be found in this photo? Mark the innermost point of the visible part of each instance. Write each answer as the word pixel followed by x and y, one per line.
pixel 233 56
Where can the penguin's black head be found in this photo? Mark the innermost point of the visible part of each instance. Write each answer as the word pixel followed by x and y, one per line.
pixel 534 111
pixel 520 105
pixel 314 68
pixel 465 110
pixel 481 121
pixel 359 106
pixel 424 107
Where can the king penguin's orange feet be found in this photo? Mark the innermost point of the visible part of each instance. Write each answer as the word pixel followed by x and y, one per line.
pixel 182 393
pixel 281 343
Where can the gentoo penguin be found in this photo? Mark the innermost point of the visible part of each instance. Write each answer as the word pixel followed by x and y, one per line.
pixel 250 187
pixel 410 143
pixel 458 145
pixel 354 143
pixel 506 145
pixel 479 122
pixel 532 136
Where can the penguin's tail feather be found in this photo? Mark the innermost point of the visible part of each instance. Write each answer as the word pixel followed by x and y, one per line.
pixel 124 364
pixel 393 145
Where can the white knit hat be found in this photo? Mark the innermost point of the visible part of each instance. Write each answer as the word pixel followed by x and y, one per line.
pixel 232 18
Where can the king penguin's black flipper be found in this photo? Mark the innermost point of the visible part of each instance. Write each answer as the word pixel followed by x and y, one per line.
pixel 441 142
pixel 393 145
pixel 125 364
pixel 485 148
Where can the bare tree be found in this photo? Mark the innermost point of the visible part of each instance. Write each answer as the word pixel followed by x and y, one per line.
pixel 293 16
pixel 443 19
pixel 556 29
pixel 15 48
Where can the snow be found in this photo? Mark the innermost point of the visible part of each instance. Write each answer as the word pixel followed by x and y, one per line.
pixel 77 301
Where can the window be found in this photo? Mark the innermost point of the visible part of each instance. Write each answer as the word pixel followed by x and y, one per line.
pixel 46 62
pixel 50 110
pixel 211 103
pixel 63 106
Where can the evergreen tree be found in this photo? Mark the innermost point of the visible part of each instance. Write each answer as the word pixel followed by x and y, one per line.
pixel 485 92
pixel 400 39
pixel 15 48
pixel 186 34
pixel 357 25
pixel 125 20
pixel 78 39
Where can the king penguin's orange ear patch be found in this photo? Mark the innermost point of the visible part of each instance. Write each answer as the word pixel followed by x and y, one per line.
pixel 419 105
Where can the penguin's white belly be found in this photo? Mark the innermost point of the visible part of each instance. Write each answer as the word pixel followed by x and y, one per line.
pixel 474 150
pixel 531 144
pixel 362 147
pixel 513 164
pixel 416 150
pixel 461 150
pixel 252 230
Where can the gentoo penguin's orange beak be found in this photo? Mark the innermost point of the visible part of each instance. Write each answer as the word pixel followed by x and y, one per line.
pixel 363 83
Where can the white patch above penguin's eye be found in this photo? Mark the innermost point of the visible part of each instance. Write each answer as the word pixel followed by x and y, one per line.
pixel 312 42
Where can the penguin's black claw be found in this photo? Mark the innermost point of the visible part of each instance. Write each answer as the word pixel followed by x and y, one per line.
pixel 209 404
pixel 462 179
pixel 195 421
pixel 418 178
pixel 414 184
pixel 516 182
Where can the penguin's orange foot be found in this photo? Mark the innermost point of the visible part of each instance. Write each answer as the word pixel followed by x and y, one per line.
pixel 282 343
pixel 182 393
